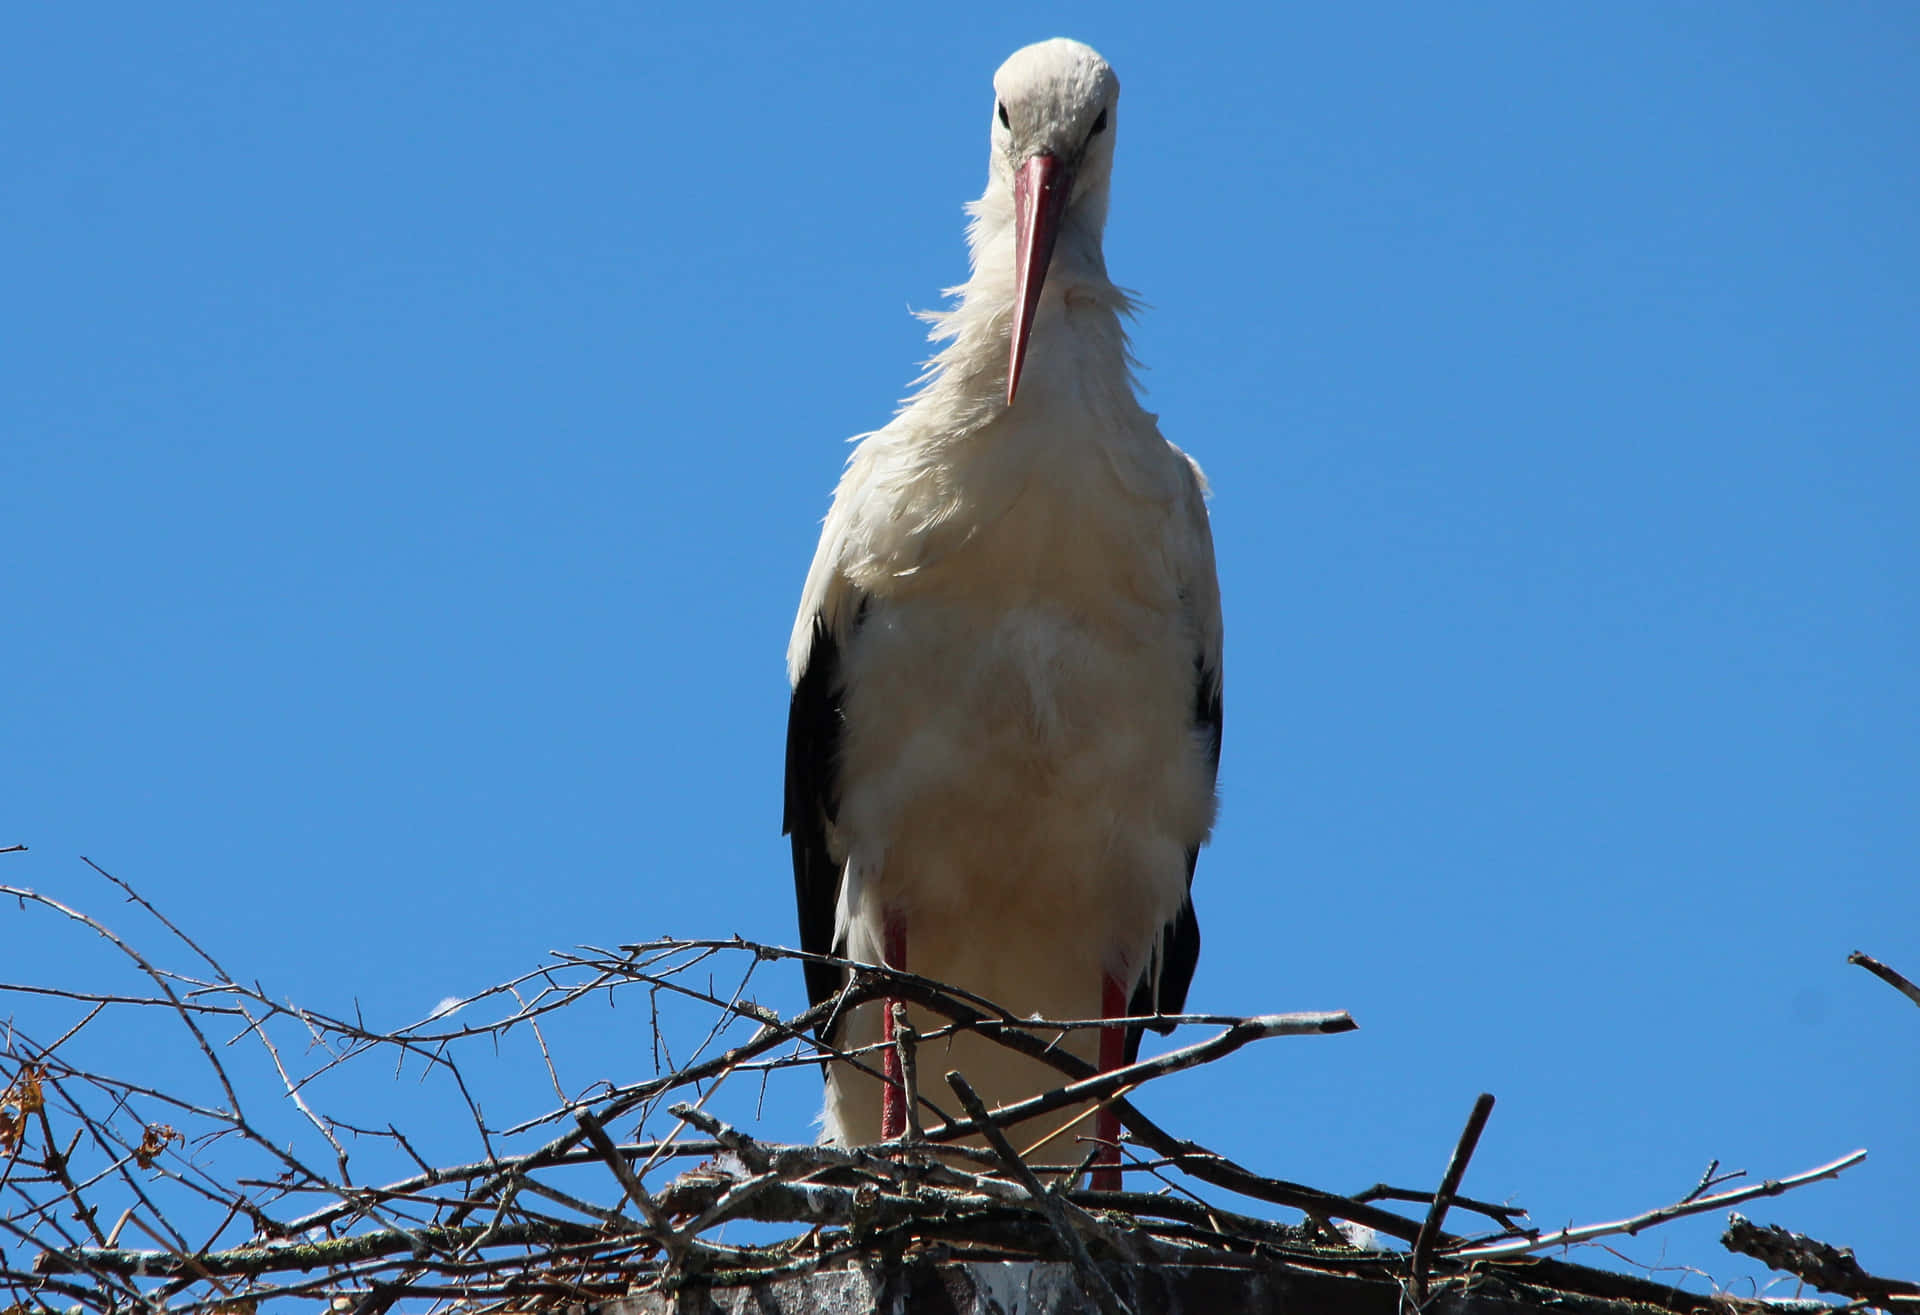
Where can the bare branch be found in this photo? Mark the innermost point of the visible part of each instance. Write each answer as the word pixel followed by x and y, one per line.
pixel 1103 1086
pixel 1886 974
pixel 1696 1205
pixel 1091 1279
pixel 1443 1198
pixel 1829 1268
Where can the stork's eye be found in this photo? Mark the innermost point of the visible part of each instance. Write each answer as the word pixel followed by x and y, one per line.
pixel 1004 121
pixel 1099 125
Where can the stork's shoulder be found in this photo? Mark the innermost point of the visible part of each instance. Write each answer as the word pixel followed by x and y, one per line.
pixel 1189 481
pixel 1193 494
pixel 1193 549
pixel 880 504
pixel 1151 466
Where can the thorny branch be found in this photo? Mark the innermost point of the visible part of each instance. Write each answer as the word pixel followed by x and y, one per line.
pixel 105 1177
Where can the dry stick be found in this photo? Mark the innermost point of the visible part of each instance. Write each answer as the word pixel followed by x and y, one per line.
pixel 1710 1178
pixel 55 1163
pixel 1886 974
pixel 681 1124
pixel 102 999
pixel 729 1203
pixel 404 1188
pixel 1282 1239
pixel 1051 1206
pixel 553 1074
pixel 47 1050
pixel 356 1036
pixel 226 978
pixel 103 1279
pixel 277 1256
pixel 1503 1215
pixel 794 1163
pixel 1212 1167
pixel 1067 1127
pixel 773 1031
pixel 1698 1205
pixel 1443 1198
pixel 630 1183
pixel 185 1011
pixel 161 918
pixel 1106 1086
pixel 1826 1267
pixel 905 1040
pixel 611 1218
pixel 755 1156
pixel 103 1137
pixel 729 1011
pixel 1206 1165
pixel 556 1150
pixel 868 984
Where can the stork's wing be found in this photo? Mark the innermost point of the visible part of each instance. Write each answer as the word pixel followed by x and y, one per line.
pixel 831 609
pixel 1163 988
pixel 1179 948
pixel 814 723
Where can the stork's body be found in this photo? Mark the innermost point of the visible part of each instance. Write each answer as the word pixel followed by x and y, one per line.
pixel 1006 664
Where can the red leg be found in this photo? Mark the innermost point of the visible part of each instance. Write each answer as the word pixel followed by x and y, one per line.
pixel 893 1101
pixel 1106 1124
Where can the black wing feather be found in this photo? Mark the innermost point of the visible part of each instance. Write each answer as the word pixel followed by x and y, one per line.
pixel 1179 947
pixel 815 720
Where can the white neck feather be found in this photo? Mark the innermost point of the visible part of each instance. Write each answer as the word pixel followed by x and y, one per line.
pixel 967 377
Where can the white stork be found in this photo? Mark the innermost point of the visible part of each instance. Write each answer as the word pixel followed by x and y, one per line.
pixel 1006 668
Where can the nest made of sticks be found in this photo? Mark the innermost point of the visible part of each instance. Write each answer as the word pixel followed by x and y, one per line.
pixel 116 1194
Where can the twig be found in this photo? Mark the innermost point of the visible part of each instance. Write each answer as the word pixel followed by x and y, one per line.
pixel 1212 1167
pixel 1443 1198
pixel 1105 1086
pixel 751 1153
pixel 629 1181
pixel 53 1159
pixel 1886 974
pixel 1507 1216
pixel 1710 1178
pixel 1829 1268
pixel 905 1041
pixel 279 1256
pixel 1698 1205
pixel 1051 1206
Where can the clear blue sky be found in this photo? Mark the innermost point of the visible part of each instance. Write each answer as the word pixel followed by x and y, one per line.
pixel 417 420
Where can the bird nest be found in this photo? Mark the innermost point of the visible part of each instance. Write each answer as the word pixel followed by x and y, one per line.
pixel 237 1188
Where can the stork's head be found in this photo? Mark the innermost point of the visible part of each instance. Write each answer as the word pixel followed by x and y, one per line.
pixel 1054 111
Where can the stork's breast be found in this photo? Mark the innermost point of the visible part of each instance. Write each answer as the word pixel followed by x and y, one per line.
pixel 1026 763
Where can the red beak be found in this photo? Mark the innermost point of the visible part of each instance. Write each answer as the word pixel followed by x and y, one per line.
pixel 1040 192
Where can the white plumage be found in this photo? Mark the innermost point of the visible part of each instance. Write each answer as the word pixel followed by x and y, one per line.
pixel 1006 663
